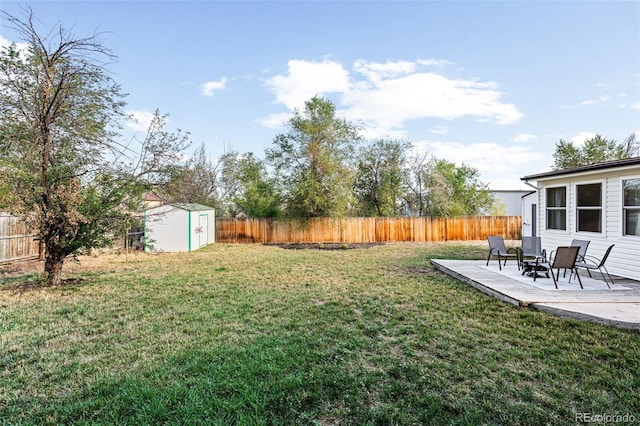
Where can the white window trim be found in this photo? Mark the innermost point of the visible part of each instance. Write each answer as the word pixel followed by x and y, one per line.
pixel 621 212
pixel 566 210
pixel 603 207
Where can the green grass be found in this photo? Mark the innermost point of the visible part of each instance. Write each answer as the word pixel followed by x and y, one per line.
pixel 250 334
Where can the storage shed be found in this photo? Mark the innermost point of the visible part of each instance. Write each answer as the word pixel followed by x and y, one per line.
pixel 179 227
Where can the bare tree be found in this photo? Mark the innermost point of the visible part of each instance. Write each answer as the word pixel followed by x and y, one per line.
pixel 65 170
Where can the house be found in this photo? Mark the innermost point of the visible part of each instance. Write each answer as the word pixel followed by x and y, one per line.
pixel 600 203
pixel 151 199
pixel 179 227
pixel 511 200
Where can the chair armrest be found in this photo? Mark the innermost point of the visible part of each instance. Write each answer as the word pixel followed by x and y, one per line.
pixel 588 260
pixel 543 262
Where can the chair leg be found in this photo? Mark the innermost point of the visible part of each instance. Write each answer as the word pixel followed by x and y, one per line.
pixel 605 277
pixel 579 280
pixel 554 277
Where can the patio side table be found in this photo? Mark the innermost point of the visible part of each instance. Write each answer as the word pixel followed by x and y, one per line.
pixel 532 268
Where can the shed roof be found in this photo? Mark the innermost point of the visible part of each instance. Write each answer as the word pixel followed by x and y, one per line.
pixel 633 161
pixel 192 207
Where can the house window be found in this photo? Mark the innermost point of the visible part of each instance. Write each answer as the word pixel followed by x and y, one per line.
pixel 557 208
pixel 589 207
pixel 631 206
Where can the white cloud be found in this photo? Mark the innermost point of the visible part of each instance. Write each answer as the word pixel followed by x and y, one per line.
pixel 434 62
pixel 600 100
pixel 579 139
pixel 498 161
pixel 440 130
pixel 635 105
pixel 524 137
pixel 305 80
pixel 375 72
pixel 22 47
pixel 211 86
pixel 383 96
pixel 506 184
pixel 140 120
pixel 275 121
pixel 4 42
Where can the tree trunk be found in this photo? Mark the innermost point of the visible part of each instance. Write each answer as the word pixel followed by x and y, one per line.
pixel 54 259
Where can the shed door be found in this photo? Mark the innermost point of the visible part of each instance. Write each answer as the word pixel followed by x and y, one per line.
pixel 203 230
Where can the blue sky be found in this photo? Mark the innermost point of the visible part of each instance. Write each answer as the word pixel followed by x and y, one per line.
pixel 492 84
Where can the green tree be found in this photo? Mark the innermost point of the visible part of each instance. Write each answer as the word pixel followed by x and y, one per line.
pixel 594 150
pixel 258 196
pixel 193 181
pixel 463 194
pixel 380 178
pixel 65 172
pixel 313 162
pixel 440 188
pixel 417 197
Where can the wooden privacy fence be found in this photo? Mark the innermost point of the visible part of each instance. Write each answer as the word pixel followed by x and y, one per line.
pixel 17 242
pixel 367 229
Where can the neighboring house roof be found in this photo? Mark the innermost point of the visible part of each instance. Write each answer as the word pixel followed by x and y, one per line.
pixel 634 161
pixel 151 196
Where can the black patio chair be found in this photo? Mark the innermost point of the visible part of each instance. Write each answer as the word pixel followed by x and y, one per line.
pixel 497 248
pixel 583 244
pixel 565 258
pixel 592 263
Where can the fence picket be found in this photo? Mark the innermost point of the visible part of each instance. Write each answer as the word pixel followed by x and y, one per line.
pixel 16 241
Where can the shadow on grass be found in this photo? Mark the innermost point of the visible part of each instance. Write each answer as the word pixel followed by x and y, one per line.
pixel 21 283
pixel 34 282
pixel 271 381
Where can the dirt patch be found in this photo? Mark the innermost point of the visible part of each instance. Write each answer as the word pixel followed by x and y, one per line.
pixel 325 246
pixel 20 268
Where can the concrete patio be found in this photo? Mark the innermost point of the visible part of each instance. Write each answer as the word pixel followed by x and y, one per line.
pixel 618 306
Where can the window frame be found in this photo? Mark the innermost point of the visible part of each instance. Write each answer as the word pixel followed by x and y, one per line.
pixel 624 208
pixel 548 209
pixel 600 208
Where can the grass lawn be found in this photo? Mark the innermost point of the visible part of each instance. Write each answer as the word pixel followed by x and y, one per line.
pixel 252 334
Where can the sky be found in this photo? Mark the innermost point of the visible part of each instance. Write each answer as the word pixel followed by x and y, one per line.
pixel 490 84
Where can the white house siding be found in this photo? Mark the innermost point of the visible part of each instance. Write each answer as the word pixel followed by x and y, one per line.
pixel 512 200
pixel 624 259
pixel 166 228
